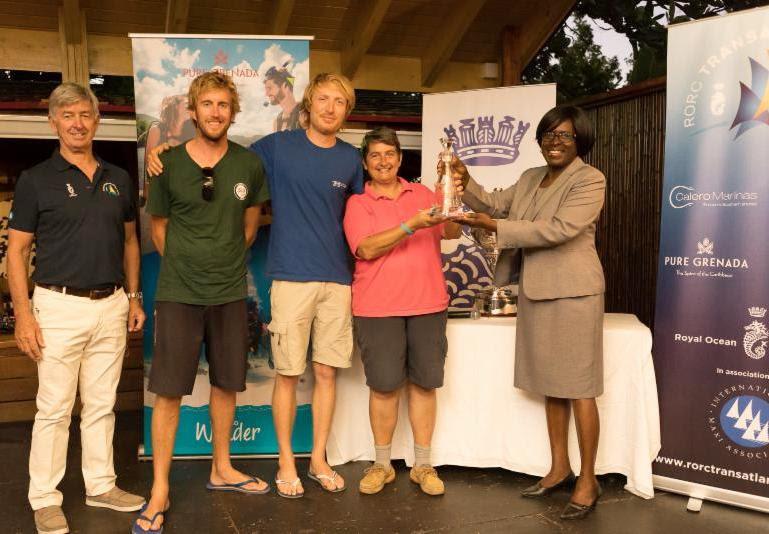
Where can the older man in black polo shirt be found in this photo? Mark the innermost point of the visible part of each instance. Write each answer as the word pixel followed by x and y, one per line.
pixel 80 210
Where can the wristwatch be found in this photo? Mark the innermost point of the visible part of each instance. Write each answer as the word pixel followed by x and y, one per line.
pixel 134 295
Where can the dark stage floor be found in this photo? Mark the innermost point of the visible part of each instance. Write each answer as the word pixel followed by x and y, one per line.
pixel 476 501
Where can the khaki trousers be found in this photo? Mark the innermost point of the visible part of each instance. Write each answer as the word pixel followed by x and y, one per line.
pixel 85 341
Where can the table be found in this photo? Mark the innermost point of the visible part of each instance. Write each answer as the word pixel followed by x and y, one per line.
pixel 483 421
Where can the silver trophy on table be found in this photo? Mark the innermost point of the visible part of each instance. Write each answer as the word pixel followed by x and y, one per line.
pixel 449 202
pixel 492 301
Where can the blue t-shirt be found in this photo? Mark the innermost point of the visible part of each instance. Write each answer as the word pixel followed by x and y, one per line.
pixel 309 186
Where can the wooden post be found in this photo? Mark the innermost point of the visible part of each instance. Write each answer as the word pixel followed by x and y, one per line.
pixel 74 45
pixel 511 59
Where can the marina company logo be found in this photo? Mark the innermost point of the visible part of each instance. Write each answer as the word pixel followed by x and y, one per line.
pixel 483 144
pixel 738 418
pixel 685 196
pixel 756 334
pixel 705 263
pixel 753 109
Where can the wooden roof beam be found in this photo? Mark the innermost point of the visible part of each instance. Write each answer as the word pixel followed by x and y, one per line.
pixel 521 44
pixel 363 29
pixel 177 13
pixel 73 42
pixel 451 27
pixel 281 16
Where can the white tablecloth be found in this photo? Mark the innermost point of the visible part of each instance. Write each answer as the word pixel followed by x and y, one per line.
pixel 483 421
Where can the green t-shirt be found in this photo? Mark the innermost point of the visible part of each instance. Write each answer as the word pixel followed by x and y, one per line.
pixel 204 261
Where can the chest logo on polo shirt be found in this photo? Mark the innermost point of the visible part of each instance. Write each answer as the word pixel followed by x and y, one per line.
pixel 71 191
pixel 111 189
pixel 241 191
pixel 338 184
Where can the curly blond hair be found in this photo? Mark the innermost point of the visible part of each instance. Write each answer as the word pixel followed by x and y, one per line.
pixel 339 80
pixel 212 80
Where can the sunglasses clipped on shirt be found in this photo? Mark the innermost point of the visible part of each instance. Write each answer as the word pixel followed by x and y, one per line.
pixel 207 189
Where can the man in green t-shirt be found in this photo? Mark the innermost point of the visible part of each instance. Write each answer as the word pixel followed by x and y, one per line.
pixel 205 210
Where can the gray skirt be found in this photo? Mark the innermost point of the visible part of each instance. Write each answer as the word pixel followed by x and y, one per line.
pixel 559 346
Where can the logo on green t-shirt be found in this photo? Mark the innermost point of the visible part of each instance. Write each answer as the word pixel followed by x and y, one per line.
pixel 241 191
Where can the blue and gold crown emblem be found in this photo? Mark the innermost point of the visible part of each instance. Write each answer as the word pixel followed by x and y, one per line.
pixel 484 145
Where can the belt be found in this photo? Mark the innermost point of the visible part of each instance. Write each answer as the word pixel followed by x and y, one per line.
pixel 93 294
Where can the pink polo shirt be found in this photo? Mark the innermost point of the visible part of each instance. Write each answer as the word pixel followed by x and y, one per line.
pixel 408 280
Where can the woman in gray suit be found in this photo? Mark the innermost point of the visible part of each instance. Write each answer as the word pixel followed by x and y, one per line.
pixel 545 225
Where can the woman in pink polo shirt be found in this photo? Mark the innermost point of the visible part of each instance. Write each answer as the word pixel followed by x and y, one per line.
pixel 399 303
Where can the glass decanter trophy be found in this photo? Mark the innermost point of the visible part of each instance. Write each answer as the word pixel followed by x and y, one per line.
pixel 448 200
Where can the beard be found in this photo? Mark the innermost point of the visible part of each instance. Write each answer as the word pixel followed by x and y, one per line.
pixel 212 134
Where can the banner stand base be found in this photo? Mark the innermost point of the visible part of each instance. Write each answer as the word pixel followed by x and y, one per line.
pixel 146 458
pixel 700 492
pixel 694 505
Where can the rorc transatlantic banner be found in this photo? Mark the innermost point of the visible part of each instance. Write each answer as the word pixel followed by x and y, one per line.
pixel 271 75
pixel 710 336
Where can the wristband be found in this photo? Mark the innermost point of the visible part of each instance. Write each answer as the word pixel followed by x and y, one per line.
pixel 134 295
pixel 406 229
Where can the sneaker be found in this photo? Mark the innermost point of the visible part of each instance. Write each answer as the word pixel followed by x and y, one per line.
pixel 51 520
pixel 427 478
pixel 375 478
pixel 116 499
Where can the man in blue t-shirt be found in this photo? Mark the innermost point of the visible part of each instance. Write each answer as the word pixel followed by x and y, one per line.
pixel 311 173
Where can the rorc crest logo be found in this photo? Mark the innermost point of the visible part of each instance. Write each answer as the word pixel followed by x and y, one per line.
pixel 739 419
pixel 486 144
pixel 754 100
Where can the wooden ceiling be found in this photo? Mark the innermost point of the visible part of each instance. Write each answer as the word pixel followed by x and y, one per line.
pixel 437 31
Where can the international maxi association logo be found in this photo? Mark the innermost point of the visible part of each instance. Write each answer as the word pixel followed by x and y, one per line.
pixel 484 143
pixel 738 418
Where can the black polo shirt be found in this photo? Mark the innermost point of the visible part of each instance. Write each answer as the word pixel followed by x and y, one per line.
pixel 78 224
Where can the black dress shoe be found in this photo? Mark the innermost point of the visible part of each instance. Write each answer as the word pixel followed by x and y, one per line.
pixel 538 490
pixel 579 511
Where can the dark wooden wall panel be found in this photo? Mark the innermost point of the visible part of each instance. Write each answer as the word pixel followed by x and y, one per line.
pixel 629 149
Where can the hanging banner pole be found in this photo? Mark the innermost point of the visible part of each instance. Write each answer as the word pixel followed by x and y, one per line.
pixel 710 336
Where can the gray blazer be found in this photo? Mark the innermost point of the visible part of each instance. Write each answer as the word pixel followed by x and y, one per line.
pixel 558 245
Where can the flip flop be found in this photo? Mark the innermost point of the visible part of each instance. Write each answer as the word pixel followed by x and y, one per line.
pixel 240 487
pixel 138 529
pixel 294 483
pixel 331 478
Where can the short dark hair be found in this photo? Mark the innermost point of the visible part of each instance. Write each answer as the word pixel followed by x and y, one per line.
pixel 382 134
pixel 583 128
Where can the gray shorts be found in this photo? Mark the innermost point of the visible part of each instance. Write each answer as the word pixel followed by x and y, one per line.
pixel 181 329
pixel 394 349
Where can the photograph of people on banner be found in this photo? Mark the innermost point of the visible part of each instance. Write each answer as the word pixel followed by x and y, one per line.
pixel 270 75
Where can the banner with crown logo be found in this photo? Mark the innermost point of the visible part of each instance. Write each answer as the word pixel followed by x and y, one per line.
pixel 270 75
pixel 492 132
pixel 710 335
